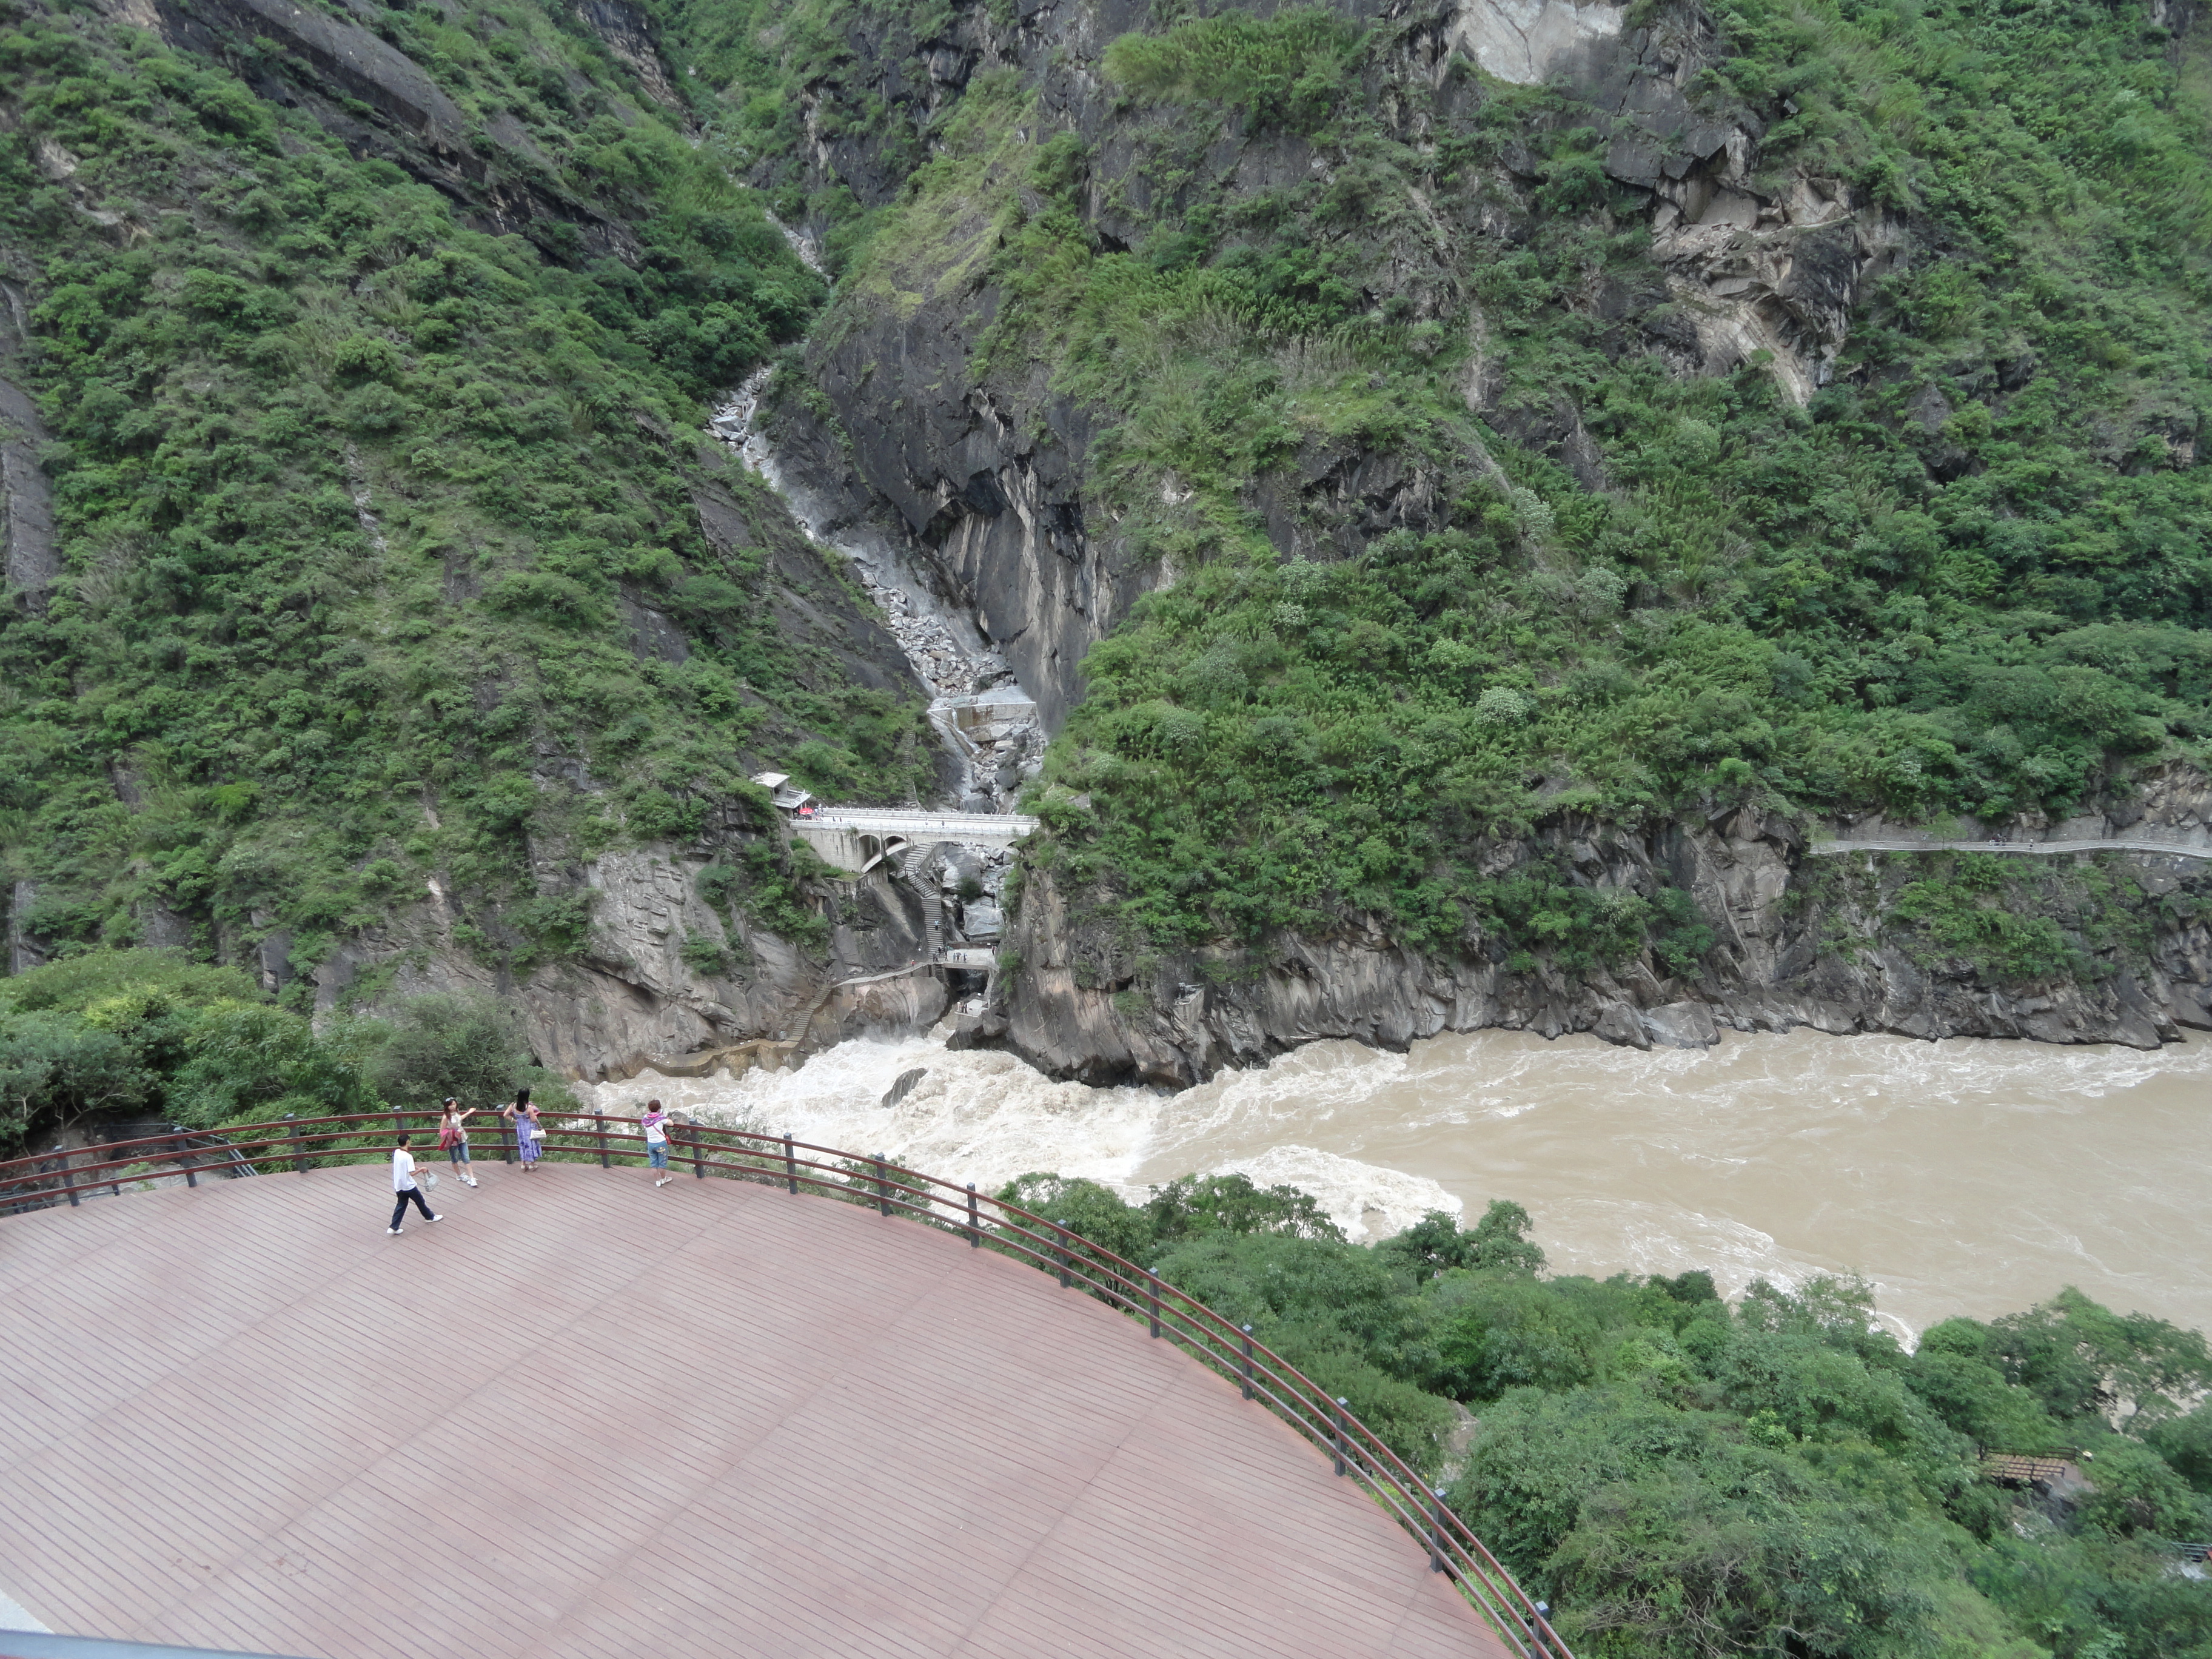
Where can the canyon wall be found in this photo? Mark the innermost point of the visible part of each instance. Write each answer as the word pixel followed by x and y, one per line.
pixel 985 476
pixel 1802 941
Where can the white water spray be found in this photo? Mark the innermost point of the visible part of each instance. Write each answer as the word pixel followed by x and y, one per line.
pixel 1970 1175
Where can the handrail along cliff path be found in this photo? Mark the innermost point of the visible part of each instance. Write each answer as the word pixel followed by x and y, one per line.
pixel 2177 842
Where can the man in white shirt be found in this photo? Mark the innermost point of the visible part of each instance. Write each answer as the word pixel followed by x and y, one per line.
pixel 403 1184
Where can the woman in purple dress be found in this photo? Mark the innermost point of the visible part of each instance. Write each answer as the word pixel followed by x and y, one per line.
pixel 529 1138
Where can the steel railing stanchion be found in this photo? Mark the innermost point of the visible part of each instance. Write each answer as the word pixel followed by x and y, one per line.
pixel 69 1181
pixel 506 1139
pixel 1152 1288
pixel 1247 1362
pixel 698 1151
pixel 974 1233
pixel 1437 1530
pixel 1063 1233
pixel 790 1163
pixel 299 1154
pixel 599 1123
pixel 1340 1433
pixel 183 1156
pixel 883 1187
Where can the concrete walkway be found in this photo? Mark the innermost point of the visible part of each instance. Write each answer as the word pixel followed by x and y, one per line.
pixel 2178 846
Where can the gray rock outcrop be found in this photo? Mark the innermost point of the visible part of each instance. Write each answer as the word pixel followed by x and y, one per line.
pixel 30 558
pixel 1797 945
pixel 377 100
pixel 635 996
pixel 986 476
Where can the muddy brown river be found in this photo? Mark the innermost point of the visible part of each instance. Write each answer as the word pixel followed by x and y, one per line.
pixel 1965 1176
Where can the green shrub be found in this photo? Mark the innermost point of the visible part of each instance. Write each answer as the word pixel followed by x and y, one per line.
pixel 1288 68
pixel 464 1046
pixel 707 955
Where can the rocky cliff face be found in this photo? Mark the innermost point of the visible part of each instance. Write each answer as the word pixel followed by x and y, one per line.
pixel 379 102
pixel 29 559
pixel 1801 941
pixel 986 477
pixel 632 994
pixel 646 968
pixel 633 998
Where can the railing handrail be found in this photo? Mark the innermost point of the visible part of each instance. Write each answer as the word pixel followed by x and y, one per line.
pixel 57 1177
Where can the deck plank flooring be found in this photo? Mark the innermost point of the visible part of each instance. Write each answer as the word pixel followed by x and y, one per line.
pixel 583 1418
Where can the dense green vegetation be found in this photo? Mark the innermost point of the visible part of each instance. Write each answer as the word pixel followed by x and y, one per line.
pixel 2012 921
pixel 1682 1476
pixel 356 502
pixel 146 1034
pixel 1969 576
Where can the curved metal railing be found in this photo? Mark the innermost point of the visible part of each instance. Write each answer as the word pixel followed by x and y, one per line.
pixel 302 1143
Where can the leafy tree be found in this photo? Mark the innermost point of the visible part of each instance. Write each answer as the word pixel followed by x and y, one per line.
pixel 468 1047
pixel 2134 1490
pixel 1193 1205
pixel 1684 1476
pixel 56 1065
pixel 2087 1363
pixel 2186 1443
pixel 1087 1208
pixel 253 1061
pixel 1499 1241
pixel 104 1032
pixel 1952 1372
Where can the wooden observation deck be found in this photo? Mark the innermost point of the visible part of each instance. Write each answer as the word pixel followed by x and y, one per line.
pixel 581 1416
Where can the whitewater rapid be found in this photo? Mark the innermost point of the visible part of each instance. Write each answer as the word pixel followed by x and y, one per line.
pixel 1969 1176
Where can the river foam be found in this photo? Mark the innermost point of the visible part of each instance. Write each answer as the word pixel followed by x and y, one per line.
pixel 1965 1176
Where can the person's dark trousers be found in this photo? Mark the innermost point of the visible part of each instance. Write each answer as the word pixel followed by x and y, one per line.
pixel 400 1205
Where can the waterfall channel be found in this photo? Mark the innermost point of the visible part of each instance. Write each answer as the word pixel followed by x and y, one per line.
pixel 985 718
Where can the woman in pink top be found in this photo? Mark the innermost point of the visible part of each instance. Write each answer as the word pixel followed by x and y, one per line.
pixel 453 1136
